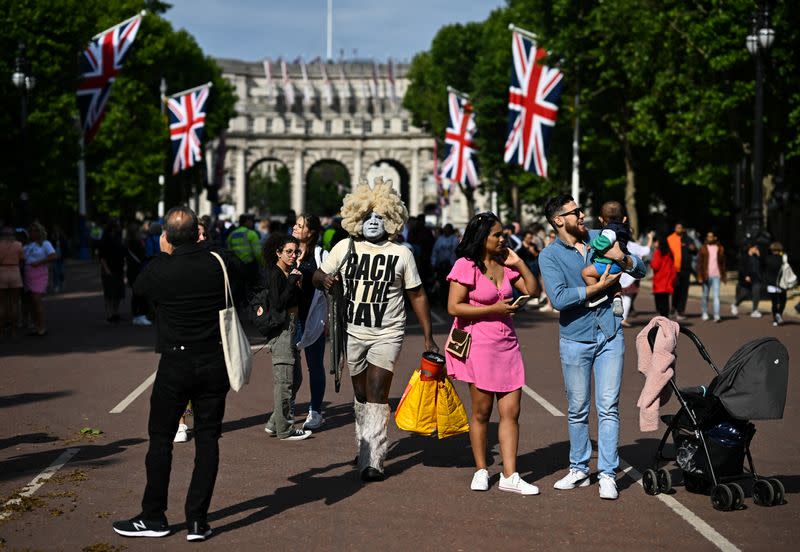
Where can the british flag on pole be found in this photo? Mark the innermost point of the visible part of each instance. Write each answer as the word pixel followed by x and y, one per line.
pixel 459 163
pixel 187 118
pixel 100 63
pixel 532 105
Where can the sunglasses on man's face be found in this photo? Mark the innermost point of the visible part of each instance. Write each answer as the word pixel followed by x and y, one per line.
pixel 576 211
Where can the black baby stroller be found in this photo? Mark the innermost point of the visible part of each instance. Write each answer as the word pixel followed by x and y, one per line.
pixel 712 429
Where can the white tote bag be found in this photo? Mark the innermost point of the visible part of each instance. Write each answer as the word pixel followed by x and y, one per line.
pixel 235 345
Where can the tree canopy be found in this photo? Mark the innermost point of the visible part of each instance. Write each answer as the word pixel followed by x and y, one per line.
pixel 666 92
pixel 131 147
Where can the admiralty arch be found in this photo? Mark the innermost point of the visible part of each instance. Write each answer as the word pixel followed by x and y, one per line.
pixel 348 113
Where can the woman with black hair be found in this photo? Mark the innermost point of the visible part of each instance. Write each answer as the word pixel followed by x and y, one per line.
pixel 664 274
pixel 284 283
pixel 313 313
pixel 480 299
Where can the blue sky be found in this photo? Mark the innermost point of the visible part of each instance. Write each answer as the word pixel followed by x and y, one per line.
pixel 255 29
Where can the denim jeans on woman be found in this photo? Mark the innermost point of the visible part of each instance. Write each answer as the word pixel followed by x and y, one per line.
pixel 315 359
pixel 286 378
pixel 712 284
pixel 578 360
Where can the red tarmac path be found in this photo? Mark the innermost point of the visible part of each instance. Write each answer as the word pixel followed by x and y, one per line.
pixel 305 495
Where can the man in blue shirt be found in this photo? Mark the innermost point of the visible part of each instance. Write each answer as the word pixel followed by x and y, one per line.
pixel 590 341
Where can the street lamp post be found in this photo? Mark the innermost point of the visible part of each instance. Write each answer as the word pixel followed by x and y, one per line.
pixel 758 42
pixel 24 81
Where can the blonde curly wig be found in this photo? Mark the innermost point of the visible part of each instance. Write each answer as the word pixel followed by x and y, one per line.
pixel 382 199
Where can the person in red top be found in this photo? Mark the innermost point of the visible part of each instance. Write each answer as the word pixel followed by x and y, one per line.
pixel 663 265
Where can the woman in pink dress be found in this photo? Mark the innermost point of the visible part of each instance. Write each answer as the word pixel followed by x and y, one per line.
pixel 481 299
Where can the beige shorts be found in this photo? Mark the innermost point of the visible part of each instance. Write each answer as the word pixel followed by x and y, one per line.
pixel 10 277
pixel 381 352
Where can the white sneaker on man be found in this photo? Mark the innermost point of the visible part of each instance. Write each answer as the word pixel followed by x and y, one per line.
pixel 313 420
pixel 608 487
pixel 734 309
pixel 515 484
pixel 575 478
pixel 755 314
pixel 141 320
pixel 704 316
pixel 182 435
pixel 480 481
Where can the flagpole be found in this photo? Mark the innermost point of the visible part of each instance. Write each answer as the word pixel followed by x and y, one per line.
pixel 161 180
pixel 458 92
pixel 189 90
pixel 140 14
pixel 514 29
pixel 83 242
pixel 576 154
pixel 329 50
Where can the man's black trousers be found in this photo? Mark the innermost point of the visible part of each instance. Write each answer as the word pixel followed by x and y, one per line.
pixel 182 377
pixel 681 293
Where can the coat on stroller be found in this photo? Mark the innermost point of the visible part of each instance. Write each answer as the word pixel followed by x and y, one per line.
pixel 712 430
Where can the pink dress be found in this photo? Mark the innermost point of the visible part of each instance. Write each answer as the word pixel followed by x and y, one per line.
pixel 495 361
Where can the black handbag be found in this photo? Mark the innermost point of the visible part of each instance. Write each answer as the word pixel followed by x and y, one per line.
pixel 459 343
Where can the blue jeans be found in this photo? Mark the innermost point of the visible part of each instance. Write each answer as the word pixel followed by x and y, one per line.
pixel 711 283
pixel 315 359
pixel 578 360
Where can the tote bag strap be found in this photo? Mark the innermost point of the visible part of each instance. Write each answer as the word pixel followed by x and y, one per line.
pixel 228 294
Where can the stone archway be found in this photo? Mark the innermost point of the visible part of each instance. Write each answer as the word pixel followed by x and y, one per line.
pixel 327 181
pixel 268 187
pixel 394 170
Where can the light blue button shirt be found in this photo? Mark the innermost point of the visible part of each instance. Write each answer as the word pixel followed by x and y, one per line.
pixel 561 266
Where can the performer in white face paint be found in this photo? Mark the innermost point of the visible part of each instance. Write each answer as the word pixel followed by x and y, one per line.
pixel 375 277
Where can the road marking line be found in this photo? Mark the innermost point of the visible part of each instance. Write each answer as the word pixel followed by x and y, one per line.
pixel 542 401
pixel 39 480
pixel 690 517
pixel 134 394
pixel 685 513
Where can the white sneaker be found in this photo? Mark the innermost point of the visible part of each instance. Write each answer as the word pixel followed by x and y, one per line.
pixel 515 484
pixel 704 316
pixel 141 321
pixel 734 310
pixel 313 420
pixel 182 435
pixel 575 478
pixel 755 314
pixel 608 487
pixel 480 481
pixel 717 319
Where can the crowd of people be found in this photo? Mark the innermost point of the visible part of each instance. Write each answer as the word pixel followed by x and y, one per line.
pixel 384 262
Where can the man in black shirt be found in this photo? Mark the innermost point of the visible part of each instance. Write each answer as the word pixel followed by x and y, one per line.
pixel 186 283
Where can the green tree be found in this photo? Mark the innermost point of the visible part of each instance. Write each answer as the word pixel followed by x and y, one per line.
pixel 269 193
pixel 131 147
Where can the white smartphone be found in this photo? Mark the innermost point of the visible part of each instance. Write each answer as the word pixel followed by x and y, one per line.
pixel 521 300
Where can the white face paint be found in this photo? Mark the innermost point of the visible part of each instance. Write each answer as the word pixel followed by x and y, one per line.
pixel 373 227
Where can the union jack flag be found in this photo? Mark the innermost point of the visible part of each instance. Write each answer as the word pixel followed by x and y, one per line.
pixel 99 64
pixel 459 165
pixel 532 106
pixel 187 117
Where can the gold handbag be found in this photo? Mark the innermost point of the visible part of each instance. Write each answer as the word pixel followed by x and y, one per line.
pixel 459 343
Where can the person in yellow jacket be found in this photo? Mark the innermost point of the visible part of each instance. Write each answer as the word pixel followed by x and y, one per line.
pixel 245 243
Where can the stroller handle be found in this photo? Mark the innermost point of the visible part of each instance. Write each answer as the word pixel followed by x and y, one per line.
pixel 651 340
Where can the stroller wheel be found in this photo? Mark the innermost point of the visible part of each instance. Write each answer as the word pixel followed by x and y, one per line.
pixel 664 480
pixel 650 482
pixel 780 492
pixel 722 498
pixel 738 496
pixel 763 493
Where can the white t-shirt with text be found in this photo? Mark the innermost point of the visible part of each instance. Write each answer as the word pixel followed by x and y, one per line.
pixel 374 281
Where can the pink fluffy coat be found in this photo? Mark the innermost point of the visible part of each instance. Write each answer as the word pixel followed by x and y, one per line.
pixel 658 366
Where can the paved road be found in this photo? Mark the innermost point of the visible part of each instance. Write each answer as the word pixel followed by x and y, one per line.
pixel 305 495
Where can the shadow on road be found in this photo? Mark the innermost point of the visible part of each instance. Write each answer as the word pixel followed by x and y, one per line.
pixel 25 398
pixel 94 454
pixel 34 438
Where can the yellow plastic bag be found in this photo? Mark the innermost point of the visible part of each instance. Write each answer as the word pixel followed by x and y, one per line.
pixel 417 409
pixel 451 417
pixel 431 407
